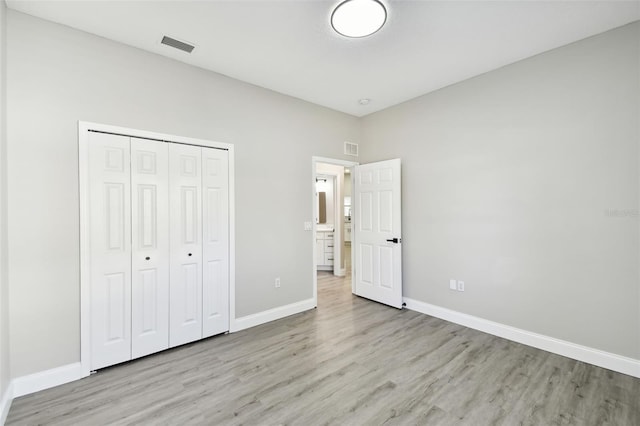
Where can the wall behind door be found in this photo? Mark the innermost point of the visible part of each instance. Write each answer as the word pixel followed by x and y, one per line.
pixel 57 76
pixel 523 182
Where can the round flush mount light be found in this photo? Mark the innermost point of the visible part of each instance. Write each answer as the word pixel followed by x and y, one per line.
pixel 364 101
pixel 358 18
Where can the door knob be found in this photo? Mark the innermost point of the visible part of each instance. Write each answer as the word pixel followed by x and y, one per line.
pixel 189 254
pixel 147 258
pixel 395 240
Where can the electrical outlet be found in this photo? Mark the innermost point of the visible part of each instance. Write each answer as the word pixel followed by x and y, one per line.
pixel 460 285
pixel 453 285
pixel 278 282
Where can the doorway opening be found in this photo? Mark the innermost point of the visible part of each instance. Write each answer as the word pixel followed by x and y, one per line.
pixel 333 219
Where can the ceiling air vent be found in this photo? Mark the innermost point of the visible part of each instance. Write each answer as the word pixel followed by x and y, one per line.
pixel 185 47
pixel 351 148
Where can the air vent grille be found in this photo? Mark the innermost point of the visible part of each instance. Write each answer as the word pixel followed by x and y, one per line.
pixel 351 148
pixel 177 44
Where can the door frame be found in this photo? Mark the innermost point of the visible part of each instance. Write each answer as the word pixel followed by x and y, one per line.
pixel 84 127
pixel 337 231
pixel 314 208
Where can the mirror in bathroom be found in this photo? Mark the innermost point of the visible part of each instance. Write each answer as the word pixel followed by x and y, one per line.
pixel 322 207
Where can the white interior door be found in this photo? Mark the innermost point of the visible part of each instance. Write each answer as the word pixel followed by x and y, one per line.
pixel 215 247
pixel 185 213
pixel 378 232
pixel 110 249
pixel 150 246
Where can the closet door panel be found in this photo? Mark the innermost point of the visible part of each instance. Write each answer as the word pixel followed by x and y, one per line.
pixel 185 181
pixel 150 246
pixel 215 249
pixel 110 249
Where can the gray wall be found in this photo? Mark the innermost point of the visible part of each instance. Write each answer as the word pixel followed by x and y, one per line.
pixel 4 287
pixel 523 182
pixel 57 76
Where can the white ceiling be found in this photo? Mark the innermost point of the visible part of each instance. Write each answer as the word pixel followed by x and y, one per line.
pixel 289 45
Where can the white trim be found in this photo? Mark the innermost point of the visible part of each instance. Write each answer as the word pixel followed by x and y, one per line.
pixel 85 261
pixel 85 243
pixel 334 161
pixel 338 221
pixel 314 209
pixel 352 176
pixel 232 238
pixel 586 354
pixel 46 379
pixel 5 404
pixel 253 320
pixel 145 134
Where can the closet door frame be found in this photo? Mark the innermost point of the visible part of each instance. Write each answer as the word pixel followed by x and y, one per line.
pixel 84 128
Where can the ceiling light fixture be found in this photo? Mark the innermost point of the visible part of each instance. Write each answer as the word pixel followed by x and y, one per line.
pixel 358 18
pixel 364 101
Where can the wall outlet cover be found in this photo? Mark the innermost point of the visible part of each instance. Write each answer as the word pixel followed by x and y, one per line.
pixel 460 285
pixel 453 285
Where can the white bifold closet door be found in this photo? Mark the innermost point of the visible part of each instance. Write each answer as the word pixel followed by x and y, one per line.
pixel 150 246
pixel 185 167
pixel 110 249
pixel 199 200
pixel 159 245
pixel 215 244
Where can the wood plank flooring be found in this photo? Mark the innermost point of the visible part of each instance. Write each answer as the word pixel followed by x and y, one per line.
pixel 349 362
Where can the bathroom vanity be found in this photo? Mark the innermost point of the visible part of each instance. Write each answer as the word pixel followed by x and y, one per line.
pixel 324 248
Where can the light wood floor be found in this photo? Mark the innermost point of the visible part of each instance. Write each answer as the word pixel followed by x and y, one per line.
pixel 350 362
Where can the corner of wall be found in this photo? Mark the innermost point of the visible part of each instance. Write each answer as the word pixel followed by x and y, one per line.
pixel 5 403
pixel 5 388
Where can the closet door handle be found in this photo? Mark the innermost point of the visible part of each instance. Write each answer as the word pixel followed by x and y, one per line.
pixel 147 258
pixel 189 254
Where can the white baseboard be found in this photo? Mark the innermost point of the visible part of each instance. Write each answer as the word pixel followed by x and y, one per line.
pixel 5 403
pixel 586 354
pixel 271 315
pixel 25 385
pixel 46 379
